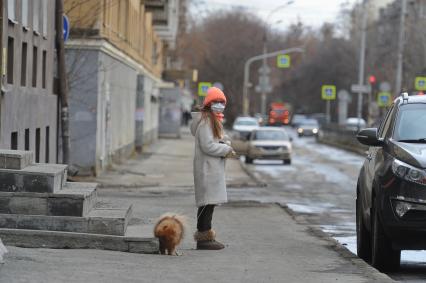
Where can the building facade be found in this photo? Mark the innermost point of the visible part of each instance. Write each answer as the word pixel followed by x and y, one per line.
pixel 28 106
pixel 115 63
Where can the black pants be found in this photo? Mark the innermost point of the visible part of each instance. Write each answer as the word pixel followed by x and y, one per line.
pixel 204 217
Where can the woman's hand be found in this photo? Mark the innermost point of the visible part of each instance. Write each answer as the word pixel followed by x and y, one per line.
pixel 231 154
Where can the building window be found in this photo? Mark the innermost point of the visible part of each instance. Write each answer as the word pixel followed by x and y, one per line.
pixel 44 16
pixel 36 16
pixel 10 61
pixel 43 71
pixel 37 144
pixel 27 139
pixel 47 144
pixel 11 10
pixel 34 66
pixel 24 64
pixel 14 141
pixel 25 13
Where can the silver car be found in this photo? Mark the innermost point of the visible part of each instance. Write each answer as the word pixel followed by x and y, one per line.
pixel 269 143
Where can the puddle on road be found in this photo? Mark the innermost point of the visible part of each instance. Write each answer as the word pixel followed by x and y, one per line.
pixel 315 209
pixel 406 256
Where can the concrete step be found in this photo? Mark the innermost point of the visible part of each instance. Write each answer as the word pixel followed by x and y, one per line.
pixel 108 221
pixel 142 243
pixel 76 199
pixel 37 178
pixel 15 159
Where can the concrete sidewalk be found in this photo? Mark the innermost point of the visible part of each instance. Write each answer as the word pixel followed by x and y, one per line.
pixel 263 242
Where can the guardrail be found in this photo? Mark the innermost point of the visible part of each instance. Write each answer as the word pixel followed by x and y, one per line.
pixel 341 137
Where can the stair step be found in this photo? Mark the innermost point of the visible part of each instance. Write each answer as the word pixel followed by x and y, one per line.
pixel 76 199
pixel 15 159
pixel 85 195
pixel 99 221
pixel 68 240
pixel 37 178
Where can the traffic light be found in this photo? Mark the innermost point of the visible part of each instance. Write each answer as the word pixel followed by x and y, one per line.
pixel 372 79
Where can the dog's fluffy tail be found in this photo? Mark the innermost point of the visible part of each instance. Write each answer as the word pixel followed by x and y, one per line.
pixel 179 219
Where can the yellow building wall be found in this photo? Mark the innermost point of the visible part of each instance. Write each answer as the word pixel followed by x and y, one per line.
pixel 124 23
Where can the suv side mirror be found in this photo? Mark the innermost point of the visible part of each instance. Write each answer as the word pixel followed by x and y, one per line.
pixel 369 137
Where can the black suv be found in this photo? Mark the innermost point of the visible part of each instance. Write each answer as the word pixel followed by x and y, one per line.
pixel 391 190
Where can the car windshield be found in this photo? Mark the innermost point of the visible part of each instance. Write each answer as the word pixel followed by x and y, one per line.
pixel 298 117
pixel 246 122
pixel 309 123
pixel 278 111
pixel 411 124
pixel 270 135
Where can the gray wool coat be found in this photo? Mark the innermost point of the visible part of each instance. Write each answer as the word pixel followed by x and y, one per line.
pixel 209 164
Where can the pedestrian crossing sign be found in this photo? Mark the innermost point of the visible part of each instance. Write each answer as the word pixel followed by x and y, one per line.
pixel 384 99
pixel 420 83
pixel 283 61
pixel 203 87
pixel 328 92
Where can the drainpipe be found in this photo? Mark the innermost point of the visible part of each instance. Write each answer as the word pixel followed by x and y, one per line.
pixel 62 81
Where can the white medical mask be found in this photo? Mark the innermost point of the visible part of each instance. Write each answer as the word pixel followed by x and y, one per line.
pixel 218 107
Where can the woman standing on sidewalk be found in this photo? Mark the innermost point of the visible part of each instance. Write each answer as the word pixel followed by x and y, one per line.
pixel 209 165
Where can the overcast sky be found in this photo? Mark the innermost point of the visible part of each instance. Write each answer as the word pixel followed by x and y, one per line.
pixel 311 12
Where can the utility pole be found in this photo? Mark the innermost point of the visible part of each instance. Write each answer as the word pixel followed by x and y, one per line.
pixel 62 78
pixel 264 67
pixel 401 44
pixel 362 58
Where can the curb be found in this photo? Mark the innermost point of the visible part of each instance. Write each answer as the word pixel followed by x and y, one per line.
pixel 258 182
pixel 368 270
pixel 127 186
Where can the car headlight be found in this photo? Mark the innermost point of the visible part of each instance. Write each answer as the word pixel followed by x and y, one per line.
pixel 408 172
pixel 300 130
pixel 315 131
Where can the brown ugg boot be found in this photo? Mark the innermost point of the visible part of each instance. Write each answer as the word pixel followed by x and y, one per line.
pixel 206 240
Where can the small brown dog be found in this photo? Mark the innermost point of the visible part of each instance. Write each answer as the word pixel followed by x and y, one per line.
pixel 169 230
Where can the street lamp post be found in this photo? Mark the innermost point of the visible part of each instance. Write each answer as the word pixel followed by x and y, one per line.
pixel 362 59
pixel 265 51
pixel 401 43
pixel 247 64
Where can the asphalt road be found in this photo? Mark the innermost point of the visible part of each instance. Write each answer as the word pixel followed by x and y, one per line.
pixel 319 188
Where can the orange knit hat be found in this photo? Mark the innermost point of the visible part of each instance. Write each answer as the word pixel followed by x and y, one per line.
pixel 214 94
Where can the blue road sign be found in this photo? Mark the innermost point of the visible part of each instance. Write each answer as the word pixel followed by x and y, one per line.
pixel 66 30
pixel 328 92
pixel 384 99
pixel 420 83
pixel 283 61
pixel 203 87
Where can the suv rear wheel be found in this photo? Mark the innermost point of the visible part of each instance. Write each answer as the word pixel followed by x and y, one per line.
pixel 363 237
pixel 384 257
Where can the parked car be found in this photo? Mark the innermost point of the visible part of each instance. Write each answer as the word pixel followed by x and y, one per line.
pixel 391 188
pixel 308 127
pixel 355 124
pixel 296 119
pixel 269 143
pixel 241 130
